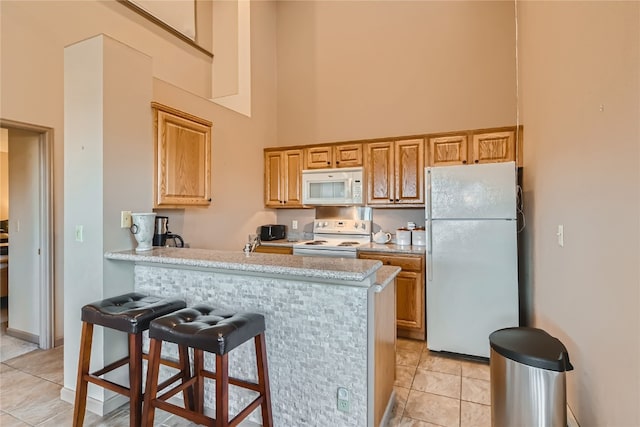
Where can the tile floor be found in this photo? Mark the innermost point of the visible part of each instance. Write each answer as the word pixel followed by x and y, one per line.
pixel 431 390
pixel 436 390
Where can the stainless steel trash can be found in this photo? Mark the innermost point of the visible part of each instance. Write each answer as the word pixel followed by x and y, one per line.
pixel 528 386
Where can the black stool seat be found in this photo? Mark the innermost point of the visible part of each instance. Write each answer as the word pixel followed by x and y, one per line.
pixel 212 330
pixel 131 313
pixel 207 328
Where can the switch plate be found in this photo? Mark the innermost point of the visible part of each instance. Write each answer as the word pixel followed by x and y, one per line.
pixel 560 235
pixel 343 399
pixel 79 233
pixel 294 224
pixel 125 219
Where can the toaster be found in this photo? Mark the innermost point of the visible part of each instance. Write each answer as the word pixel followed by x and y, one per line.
pixel 272 232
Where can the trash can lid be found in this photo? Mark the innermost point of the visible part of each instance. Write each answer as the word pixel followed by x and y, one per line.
pixel 531 346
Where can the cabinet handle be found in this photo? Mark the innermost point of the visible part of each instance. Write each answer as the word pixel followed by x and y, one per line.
pixel 464 162
pixel 209 198
pixel 328 163
pixel 337 162
pixel 388 262
pixel 391 200
pixel 397 200
pixel 477 161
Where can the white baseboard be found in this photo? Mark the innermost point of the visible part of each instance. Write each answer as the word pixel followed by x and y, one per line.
pixel 24 336
pixel 96 406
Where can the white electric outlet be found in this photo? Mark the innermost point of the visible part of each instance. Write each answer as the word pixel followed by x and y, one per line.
pixel 294 224
pixel 343 399
pixel 125 219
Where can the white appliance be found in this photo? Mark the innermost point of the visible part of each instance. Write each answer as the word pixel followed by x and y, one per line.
pixel 337 238
pixel 472 264
pixel 333 187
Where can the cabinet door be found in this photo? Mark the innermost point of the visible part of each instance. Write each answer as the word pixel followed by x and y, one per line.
pixel 410 292
pixel 319 157
pixel 410 304
pixel 409 171
pixel 183 158
pixel 273 176
pixel 292 179
pixel 348 155
pixel 380 173
pixel 494 147
pixel 448 150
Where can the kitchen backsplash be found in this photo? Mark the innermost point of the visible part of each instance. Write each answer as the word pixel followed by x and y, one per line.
pixel 383 219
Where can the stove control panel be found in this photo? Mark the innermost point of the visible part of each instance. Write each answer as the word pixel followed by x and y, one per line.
pixel 341 226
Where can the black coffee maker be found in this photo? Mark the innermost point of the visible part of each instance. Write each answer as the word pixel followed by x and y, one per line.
pixel 162 234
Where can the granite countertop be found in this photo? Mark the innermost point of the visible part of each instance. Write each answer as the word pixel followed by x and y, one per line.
pixel 385 275
pixel 337 269
pixel 392 248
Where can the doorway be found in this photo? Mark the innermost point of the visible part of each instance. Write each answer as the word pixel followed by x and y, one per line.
pixel 29 231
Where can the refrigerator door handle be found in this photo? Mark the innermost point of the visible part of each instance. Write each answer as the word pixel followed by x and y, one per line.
pixel 429 227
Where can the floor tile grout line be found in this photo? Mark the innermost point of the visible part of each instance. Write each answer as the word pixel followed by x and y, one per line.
pixel 35 376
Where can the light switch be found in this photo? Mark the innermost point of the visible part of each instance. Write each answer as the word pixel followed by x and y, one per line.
pixel 560 235
pixel 79 233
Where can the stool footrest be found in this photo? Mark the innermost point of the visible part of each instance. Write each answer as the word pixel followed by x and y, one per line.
pixel 109 385
pixel 111 366
pixel 233 381
pixel 180 411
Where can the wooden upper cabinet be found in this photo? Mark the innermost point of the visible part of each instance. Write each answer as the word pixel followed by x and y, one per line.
pixel 409 171
pixel 492 147
pixel 282 178
pixel 395 171
pixel 182 148
pixel 380 173
pixel 448 150
pixel 333 156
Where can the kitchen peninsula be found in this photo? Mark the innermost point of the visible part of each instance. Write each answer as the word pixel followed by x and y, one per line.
pixel 330 324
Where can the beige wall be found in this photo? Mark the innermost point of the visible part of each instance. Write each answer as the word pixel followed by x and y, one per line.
pixel 4 174
pixel 580 98
pixel 33 38
pixel 368 69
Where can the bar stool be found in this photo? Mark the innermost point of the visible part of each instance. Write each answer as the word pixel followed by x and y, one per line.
pixel 131 313
pixel 217 331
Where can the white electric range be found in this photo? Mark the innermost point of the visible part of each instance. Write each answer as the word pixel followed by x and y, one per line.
pixel 338 238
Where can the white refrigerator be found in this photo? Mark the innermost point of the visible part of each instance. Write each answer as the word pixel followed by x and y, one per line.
pixel 472 261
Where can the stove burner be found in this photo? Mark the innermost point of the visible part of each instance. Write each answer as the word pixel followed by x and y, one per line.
pixel 349 244
pixel 316 242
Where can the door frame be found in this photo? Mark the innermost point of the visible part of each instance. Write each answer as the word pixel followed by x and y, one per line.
pixel 46 335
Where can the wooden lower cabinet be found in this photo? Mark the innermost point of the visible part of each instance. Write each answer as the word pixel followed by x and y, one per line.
pixel 410 292
pixel 286 250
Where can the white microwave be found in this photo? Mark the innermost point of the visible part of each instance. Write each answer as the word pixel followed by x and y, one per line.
pixel 332 186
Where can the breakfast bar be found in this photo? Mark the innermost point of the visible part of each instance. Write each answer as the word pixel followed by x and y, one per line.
pixel 330 326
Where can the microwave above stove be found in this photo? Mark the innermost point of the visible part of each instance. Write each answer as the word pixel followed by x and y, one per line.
pixel 335 187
